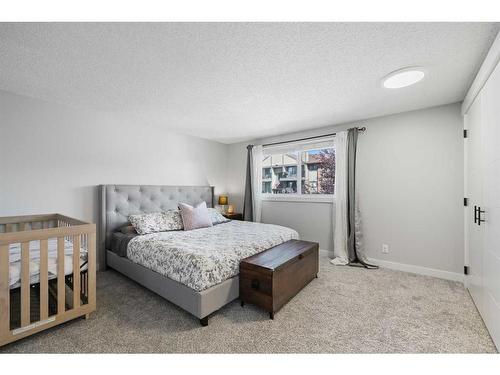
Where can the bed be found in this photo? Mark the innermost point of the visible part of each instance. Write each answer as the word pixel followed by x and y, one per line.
pixel 196 270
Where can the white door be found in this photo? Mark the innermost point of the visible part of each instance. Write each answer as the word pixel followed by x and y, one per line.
pixel 491 198
pixel 474 176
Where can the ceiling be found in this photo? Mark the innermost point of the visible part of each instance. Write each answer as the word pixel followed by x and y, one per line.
pixel 234 82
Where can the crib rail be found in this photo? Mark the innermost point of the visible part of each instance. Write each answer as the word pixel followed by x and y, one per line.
pixel 75 294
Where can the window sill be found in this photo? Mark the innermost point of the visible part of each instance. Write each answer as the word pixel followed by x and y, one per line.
pixel 299 199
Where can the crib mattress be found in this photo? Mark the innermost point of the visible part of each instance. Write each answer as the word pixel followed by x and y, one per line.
pixel 34 246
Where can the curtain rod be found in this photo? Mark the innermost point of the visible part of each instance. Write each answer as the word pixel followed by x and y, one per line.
pixel 307 138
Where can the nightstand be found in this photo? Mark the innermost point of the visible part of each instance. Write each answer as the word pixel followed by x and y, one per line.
pixel 234 216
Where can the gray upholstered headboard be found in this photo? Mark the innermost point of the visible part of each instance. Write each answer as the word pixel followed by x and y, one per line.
pixel 119 201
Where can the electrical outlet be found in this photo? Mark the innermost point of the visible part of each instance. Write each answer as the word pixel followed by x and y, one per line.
pixel 385 248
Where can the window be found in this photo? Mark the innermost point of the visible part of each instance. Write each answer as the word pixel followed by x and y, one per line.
pixel 301 170
pixel 290 172
pixel 266 187
pixel 266 173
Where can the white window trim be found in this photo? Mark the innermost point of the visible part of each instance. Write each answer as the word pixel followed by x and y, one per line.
pixel 301 198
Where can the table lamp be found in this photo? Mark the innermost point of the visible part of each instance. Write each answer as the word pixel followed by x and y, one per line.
pixel 223 200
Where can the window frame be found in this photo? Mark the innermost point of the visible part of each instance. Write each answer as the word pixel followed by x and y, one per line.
pixel 297 197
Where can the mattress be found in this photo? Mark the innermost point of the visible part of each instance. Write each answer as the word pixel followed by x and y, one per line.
pixel 202 258
pixel 34 246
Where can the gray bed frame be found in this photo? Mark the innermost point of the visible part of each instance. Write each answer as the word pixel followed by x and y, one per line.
pixel 119 201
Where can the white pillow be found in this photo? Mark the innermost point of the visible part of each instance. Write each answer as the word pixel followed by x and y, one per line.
pixel 195 217
pixel 217 217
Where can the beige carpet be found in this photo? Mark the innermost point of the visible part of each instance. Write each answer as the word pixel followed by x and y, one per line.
pixel 346 310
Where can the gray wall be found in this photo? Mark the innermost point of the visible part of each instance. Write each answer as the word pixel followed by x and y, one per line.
pixel 410 184
pixel 53 156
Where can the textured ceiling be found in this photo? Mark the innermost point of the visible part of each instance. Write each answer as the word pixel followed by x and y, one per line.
pixel 236 81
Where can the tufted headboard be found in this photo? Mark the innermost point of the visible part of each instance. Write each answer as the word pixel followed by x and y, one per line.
pixel 119 201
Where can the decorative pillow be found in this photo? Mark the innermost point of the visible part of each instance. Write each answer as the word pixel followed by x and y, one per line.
pixel 173 220
pixel 148 223
pixel 195 217
pixel 156 222
pixel 217 217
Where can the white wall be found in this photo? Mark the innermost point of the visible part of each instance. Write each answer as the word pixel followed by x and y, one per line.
pixel 410 184
pixel 410 177
pixel 52 157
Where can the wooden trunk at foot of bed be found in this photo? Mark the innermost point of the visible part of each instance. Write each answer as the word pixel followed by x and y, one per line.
pixel 81 284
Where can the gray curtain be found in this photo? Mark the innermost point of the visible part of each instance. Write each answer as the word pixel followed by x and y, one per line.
pixel 248 201
pixel 352 143
pixel 355 251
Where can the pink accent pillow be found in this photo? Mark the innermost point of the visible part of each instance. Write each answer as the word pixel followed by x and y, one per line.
pixel 195 217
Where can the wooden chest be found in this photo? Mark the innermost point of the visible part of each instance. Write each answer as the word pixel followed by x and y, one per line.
pixel 270 279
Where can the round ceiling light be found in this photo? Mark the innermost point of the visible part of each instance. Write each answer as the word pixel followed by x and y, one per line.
pixel 403 77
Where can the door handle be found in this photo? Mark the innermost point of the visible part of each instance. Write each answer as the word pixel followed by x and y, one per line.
pixel 479 212
pixel 475 214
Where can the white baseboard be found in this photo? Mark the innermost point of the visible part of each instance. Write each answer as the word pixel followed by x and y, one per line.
pixel 419 270
pixel 447 275
pixel 324 252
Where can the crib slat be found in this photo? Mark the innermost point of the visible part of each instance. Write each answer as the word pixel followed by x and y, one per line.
pixel 91 270
pixel 25 284
pixel 4 291
pixel 44 280
pixel 61 289
pixel 76 272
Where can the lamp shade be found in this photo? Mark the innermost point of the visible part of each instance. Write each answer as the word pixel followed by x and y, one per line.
pixel 223 200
